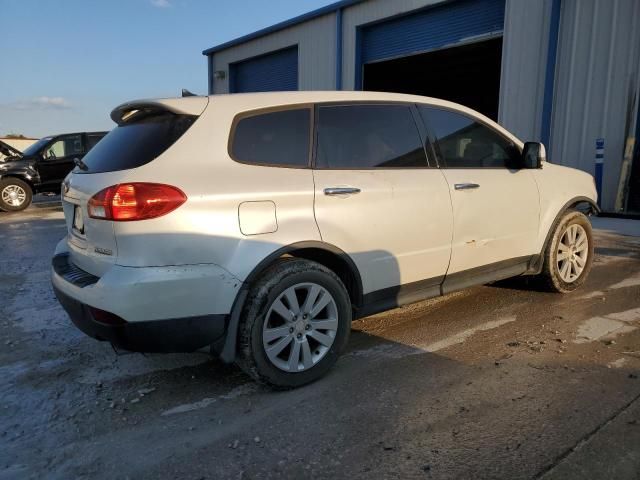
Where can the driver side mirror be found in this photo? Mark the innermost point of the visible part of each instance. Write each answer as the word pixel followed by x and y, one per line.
pixel 533 155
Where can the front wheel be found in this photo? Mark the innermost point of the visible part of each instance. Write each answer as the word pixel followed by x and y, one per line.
pixel 15 195
pixel 295 323
pixel 569 254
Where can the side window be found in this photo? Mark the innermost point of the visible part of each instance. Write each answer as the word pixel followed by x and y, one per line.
pixel 64 147
pixel 279 138
pixel 466 143
pixel 92 139
pixel 368 136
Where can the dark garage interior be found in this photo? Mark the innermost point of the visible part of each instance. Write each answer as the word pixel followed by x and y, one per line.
pixel 469 74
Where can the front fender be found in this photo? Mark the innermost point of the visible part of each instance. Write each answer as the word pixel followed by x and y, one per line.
pixel 560 189
pixel 24 172
pixel 588 205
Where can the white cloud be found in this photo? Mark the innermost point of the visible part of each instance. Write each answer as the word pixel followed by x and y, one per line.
pixel 51 102
pixel 41 103
pixel 160 3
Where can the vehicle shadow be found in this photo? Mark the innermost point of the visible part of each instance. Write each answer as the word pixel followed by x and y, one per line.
pixel 524 283
pixel 617 252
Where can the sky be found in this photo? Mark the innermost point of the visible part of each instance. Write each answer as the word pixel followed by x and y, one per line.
pixel 67 63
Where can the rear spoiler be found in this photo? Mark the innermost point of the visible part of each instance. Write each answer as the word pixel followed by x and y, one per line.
pixel 9 151
pixel 181 106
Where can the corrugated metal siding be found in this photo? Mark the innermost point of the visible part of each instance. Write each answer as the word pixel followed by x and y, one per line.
pixel 524 64
pixel 273 72
pixel 316 53
pixel 432 28
pixel 596 76
pixel 364 13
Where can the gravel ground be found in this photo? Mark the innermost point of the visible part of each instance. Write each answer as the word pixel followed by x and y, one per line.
pixel 499 381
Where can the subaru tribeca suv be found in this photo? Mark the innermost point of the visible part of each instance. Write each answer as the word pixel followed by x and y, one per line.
pixel 261 225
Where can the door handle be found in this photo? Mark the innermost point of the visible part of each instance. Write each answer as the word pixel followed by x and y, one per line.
pixel 341 190
pixel 466 186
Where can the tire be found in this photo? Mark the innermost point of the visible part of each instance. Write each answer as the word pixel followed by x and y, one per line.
pixel 566 275
pixel 263 325
pixel 15 194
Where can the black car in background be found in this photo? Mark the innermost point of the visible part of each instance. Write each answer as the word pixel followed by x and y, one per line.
pixel 41 167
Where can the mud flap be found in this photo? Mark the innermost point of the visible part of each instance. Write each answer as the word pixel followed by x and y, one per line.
pixel 225 347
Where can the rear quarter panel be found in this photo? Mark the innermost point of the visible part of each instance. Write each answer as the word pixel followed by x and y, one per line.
pixel 206 229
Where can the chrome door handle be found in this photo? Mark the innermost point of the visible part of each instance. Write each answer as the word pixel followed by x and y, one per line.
pixel 465 186
pixel 341 190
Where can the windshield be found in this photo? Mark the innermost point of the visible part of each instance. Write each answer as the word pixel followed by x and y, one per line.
pixel 33 149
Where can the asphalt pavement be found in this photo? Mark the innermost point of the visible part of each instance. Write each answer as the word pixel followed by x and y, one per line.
pixel 498 381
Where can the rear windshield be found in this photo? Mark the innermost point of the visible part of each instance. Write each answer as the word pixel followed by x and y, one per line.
pixel 135 144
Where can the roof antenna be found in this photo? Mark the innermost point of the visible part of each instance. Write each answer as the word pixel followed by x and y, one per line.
pixel 187 93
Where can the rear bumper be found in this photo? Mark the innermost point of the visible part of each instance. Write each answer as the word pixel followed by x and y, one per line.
pixel 167 335
pixel 164 309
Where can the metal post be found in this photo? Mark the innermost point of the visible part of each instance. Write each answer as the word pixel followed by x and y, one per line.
pixel 599 167
pixel 339 49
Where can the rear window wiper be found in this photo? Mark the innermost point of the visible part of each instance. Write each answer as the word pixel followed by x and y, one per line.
pixel 80 164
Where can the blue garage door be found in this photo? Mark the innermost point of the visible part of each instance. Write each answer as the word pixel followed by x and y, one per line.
pixel 274 72
pixel 429 29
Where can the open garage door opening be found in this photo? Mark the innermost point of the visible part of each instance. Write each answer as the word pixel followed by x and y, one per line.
pixel 469 75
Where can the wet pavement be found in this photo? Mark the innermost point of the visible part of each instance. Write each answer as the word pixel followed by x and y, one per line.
pixel 498 381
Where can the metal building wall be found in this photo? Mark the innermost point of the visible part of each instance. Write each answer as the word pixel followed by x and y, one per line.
pixel 316 47
pixel 363 13
pixel 431 28
pixel 524 56
pixel 524 65
pixel 272 72
pixel 596 75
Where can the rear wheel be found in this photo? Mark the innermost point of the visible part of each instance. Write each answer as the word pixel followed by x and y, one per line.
pixel 15 194
pixel 295 323
pixel 569 254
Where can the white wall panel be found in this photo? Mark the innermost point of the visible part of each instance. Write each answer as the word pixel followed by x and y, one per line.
pixel 524 64
pixel 316 48
pixel 596 78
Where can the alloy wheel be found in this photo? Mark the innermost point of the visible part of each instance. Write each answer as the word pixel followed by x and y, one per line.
pixel 13 195
pixel 300 327
pixel 573 251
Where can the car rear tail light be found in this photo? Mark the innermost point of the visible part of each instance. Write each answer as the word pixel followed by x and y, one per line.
pixel 106 318
pixel 135 201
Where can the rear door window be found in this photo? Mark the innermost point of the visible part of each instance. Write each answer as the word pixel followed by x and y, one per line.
pixel 368 136
pixel 92 139
pixel 280 138
pixel 134 144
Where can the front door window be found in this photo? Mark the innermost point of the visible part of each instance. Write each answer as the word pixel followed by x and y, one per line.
pixel 66 146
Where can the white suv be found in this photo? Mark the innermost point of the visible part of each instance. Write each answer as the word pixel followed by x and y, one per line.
pixel 262 224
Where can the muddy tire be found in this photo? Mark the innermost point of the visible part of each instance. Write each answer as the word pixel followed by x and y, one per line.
pixel 15 195
pixel 294 325
pixel 569 254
